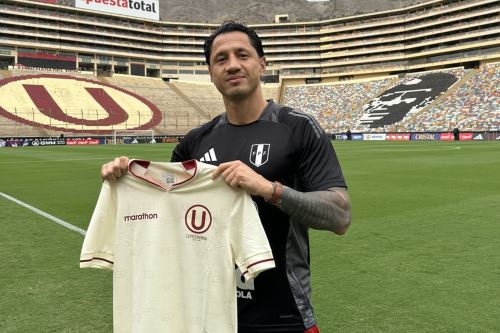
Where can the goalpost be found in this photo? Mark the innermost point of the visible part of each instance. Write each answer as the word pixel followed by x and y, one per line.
pixel 133 136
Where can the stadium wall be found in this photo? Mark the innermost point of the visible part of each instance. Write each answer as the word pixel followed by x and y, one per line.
pixel 20 142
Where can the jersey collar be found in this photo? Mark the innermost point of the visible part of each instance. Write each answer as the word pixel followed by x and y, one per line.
pixel 139 168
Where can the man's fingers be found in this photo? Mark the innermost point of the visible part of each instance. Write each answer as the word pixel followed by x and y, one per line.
pixel 104 171
pixel 220 169
pixel 124 163
pixel 113 170
pixel 107 172
pixel 239 175
pixel 234 183
pixel 230 172
pixel 120 166
pixel 232 177
pixel 117 168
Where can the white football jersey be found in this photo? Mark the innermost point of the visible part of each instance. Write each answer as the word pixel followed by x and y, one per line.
pixel 173 236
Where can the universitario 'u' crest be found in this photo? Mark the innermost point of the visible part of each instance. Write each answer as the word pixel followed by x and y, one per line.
pixel 259 154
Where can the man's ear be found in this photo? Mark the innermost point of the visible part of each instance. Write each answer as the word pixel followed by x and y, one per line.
pixel 210 72
pixel 262 61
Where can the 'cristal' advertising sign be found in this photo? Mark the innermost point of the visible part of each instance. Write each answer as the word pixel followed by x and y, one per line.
pixel 146 9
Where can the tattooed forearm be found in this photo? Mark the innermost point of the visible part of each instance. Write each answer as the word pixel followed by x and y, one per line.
pixel 326 210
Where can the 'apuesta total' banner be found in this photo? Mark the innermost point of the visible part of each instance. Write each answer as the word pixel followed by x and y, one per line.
pixel 146 9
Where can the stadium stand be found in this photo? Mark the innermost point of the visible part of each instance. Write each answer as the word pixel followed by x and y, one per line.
pixel 59 102
pixel 184 105
pixel 391 110
pixel 271 91
pixel 473 106
pixel 207 100
pixel 178 115
pixel 409 104
pixel 202 96
pixel 335 106
pixel 352 60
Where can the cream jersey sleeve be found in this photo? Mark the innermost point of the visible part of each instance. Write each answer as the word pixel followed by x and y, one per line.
pixel 251 249
pixel 98 245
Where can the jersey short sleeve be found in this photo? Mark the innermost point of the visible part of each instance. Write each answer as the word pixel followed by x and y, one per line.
pixel 251 250
pixel 318 167
pixel 98 245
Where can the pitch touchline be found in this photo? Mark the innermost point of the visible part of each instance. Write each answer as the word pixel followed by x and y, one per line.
pixel 58 160
pixel 46 215
pixel 65 160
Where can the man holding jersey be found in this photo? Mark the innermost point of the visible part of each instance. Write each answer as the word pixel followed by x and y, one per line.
pixel 285 161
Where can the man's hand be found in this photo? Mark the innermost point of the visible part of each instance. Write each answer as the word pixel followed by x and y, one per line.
pixel 239 175
pixel 113 170
pixel 328 209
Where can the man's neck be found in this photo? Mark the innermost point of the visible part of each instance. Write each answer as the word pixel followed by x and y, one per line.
pixel 245 111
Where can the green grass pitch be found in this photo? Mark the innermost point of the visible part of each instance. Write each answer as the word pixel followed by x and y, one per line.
pixel 422 254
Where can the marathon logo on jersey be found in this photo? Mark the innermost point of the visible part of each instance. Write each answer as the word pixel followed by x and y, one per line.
pixel 147 9
pixel 198 220
pixel 140 217
pixel 259 154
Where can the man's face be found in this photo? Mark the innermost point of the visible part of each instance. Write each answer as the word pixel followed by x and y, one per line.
pixel 235 67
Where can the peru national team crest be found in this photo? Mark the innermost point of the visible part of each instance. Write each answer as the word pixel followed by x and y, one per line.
pixel 259 154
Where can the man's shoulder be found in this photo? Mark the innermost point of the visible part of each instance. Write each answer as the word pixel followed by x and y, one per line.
pixel 298 120
pixel 294 115
pixel 287 115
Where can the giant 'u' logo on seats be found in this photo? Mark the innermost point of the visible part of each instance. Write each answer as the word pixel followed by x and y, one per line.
pixel 74 104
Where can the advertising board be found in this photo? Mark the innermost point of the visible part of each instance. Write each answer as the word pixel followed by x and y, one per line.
pixel 145 9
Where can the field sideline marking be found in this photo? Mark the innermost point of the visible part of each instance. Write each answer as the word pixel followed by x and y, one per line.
pixel 47 215
pixel 59 160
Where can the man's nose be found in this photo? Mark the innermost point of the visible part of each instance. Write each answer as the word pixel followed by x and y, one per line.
pixel 233 64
